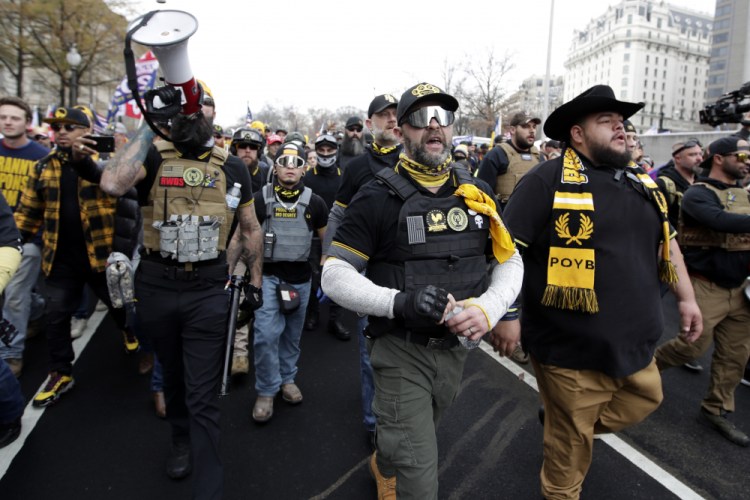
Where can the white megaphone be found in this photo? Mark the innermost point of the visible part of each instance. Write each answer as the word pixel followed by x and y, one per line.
pixel 166 33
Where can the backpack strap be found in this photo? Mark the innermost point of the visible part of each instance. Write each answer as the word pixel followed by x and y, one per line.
pixel 399 186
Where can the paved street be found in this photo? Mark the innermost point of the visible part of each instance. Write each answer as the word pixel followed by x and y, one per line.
pixel 102 440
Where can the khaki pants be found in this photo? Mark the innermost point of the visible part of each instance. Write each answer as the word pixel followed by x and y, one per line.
pixel 579 403
pixel 726 322
pixel 413 386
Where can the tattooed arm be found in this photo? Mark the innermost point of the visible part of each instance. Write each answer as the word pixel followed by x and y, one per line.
pixel 247 244
pixel 126 169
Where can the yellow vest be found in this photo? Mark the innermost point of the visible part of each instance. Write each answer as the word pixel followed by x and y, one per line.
pixel 734 200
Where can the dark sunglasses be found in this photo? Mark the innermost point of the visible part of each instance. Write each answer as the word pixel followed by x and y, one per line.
pixel 68 126
pixel 354 129
pixel 247 145
pixel 689 144
pixel 422 117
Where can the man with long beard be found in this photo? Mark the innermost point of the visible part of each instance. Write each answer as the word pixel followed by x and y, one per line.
pixel 353 143
pixel 424 248
pixel 382 153
pixel 180 283
pixel 595 241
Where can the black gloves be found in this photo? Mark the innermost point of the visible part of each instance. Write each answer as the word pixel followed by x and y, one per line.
pixel 253 298
pixel 425 303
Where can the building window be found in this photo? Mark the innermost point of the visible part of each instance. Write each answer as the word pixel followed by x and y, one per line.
pixel 627 33
pixel 626 69
pixel 658 23
pixel 647 57
pixel 627 45
pixel 721 38
pixel 623 94
pixel 630 18
pixel 626 57
pixel 625 82
pixel 663 86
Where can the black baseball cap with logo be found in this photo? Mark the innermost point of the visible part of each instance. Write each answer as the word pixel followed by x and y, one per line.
pixel 74 116
pixel 723 146
pixel 354 121
pixel 423 92
pixel 381 103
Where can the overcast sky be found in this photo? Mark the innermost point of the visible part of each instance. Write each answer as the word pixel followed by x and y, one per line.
pixel 330 54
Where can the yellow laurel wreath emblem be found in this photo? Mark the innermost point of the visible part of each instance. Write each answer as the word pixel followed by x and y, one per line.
pixel 585 228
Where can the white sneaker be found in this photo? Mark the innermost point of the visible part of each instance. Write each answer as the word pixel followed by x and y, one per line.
pixel 101 306
pixel 77 326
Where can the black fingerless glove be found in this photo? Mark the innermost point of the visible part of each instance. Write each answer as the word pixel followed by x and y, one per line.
pixel 253 298
pixel 425 303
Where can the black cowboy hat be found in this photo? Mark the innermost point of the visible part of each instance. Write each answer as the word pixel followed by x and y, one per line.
pixel 597 99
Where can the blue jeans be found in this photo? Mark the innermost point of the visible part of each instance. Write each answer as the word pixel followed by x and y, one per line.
pixel 11 399
pixel 277 336
pixel 365 376
pixel 18 299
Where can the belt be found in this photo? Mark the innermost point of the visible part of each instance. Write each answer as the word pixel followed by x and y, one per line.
pixel 448 341
pixel 218 270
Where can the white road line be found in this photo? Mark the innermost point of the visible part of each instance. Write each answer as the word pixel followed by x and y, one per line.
pixel 638 459
pixel 32 415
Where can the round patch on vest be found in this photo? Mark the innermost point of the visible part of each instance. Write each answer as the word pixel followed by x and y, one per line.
pixel 193 176
pixel 435 221
pixel 457 219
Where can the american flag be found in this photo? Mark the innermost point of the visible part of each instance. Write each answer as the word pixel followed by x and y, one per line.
pixel 249 117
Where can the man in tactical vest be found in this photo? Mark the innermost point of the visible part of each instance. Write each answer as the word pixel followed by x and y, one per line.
pixel 504 166
pixel 673 180
pixel 184 191
pixel 715 236
pixel 247 145
pixel 290 214
pixel 382 153
pixel 423 249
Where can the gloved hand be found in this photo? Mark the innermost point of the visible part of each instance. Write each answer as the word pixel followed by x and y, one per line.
pixel 425 303
pixel 253 298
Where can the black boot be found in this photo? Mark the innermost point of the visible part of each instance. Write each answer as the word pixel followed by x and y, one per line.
pixel 9 432
pixel 311 321
pixel 179 462
pixel 339 330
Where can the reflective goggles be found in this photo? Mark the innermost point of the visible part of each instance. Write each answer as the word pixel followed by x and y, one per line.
pixel 68 126
pixel 421 117
pixel 689 144
pixel 290 161
pixel 741 157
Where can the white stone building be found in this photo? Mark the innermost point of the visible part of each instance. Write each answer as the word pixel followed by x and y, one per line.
pixel 647 51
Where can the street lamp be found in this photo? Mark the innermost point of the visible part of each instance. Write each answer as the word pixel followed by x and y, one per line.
pixel 74 59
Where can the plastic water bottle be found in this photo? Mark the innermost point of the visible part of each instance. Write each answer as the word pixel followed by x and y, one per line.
pixel 233 196
pixel 466 342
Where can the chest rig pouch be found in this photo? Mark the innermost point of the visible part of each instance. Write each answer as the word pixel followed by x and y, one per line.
pixel 734 200
pixel 440 242
pixel 287 235
pixel 518 165
pixel 187 217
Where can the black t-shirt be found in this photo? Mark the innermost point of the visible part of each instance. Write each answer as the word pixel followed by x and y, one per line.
pixel 620 339
pixel 9 235
pixel 361 170
pixel 701 207
pixel 370 233
pixel 71 243
pixel 316 215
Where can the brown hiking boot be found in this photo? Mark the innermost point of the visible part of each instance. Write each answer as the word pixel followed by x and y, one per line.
pixel 386 485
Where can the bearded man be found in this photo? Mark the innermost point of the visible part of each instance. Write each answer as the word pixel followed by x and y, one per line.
pixel 423 249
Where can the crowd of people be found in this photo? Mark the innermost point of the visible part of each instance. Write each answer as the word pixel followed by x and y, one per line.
pixel 431 246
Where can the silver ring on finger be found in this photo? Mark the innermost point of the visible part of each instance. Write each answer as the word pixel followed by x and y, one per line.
pixel 470 332
pixel 80 147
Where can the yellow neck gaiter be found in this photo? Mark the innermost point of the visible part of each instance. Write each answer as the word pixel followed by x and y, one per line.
pixel 383 150
pixel 477 200
pixel 424 175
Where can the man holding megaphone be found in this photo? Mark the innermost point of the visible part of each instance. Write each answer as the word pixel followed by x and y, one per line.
pixel 192 194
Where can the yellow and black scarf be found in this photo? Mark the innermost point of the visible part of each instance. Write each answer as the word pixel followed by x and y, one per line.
pixel 571 264
pixel 383 150
pixel 424 175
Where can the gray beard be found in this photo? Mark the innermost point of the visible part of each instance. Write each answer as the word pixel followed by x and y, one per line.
pixel 418 154
pixel 352 147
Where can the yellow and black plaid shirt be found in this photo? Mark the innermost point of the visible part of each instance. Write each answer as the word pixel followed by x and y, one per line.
pixel 40 206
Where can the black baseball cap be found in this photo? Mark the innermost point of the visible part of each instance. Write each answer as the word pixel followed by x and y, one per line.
pixel 354 121
pixel 69 115
pixel 523 118
pixel 628 126
pixel 722 146
pixel 423 92
pixel 381 103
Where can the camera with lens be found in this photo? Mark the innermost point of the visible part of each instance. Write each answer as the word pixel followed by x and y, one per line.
pixel 728 109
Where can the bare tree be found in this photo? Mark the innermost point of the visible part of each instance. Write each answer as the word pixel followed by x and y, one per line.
pixel 483 98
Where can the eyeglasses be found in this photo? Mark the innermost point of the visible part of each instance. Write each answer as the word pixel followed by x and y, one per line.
pixel 689 144
pixel 290 161
pixel 68 126
pixel 354 129
pixel 247 145
pixel 422 117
